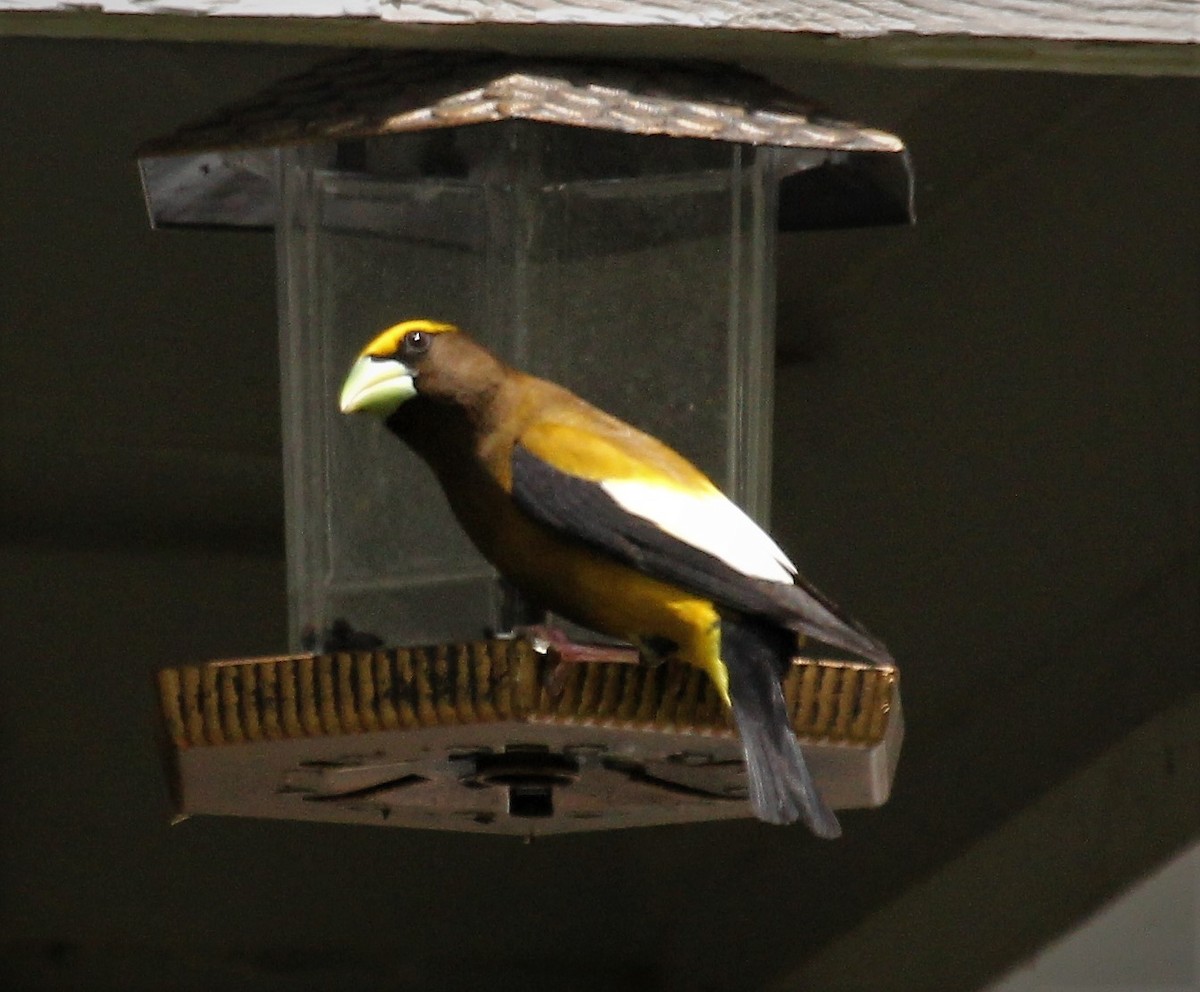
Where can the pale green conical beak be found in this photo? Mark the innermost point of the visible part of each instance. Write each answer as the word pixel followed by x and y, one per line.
pixel 376 386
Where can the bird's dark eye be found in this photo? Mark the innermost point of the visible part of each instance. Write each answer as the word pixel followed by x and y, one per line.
pixel 416 343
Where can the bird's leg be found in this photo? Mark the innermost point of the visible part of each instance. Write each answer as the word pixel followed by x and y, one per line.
pixel 546 637
pixel 515 610
pixel 656 649
pixel 519 617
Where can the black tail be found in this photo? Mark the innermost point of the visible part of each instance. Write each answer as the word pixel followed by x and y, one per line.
pixel 815 615
pixel 757 655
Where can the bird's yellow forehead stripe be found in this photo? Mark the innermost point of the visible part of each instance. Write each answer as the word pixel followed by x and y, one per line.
pixel 387 343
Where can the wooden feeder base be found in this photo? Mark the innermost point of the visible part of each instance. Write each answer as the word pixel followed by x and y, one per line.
pixel 493 737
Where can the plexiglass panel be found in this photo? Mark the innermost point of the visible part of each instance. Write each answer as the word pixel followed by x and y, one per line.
pixel 636 271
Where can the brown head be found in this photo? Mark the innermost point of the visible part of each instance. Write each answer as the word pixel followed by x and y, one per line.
pixel 421 358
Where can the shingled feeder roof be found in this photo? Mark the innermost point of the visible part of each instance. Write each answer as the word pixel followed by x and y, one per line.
pixel 218 171
pixel 389 93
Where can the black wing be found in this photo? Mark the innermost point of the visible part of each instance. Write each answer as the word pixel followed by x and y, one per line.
pixel 582 510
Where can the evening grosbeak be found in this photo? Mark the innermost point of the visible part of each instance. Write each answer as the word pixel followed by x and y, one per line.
pixel 610 528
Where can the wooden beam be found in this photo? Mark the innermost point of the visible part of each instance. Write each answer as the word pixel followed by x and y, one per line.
pixel 1095 20
pixel 1055 791
pixel 1152 38
pixel 1040 873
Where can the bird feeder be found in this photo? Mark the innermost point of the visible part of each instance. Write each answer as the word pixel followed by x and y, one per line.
pixel 610 226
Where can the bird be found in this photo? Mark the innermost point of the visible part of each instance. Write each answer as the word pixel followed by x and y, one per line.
pixel 608 527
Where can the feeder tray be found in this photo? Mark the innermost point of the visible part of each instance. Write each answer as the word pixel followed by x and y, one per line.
pixel 494 737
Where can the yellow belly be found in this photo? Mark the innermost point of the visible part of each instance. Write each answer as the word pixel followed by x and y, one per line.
pixel 575 582
pixel 602 594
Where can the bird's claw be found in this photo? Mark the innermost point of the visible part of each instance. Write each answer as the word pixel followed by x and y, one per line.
pixel 546 639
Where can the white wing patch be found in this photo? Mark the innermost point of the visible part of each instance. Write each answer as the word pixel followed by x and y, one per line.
pixel 709 522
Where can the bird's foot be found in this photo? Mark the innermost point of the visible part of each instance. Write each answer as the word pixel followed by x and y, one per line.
pixel 547 639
